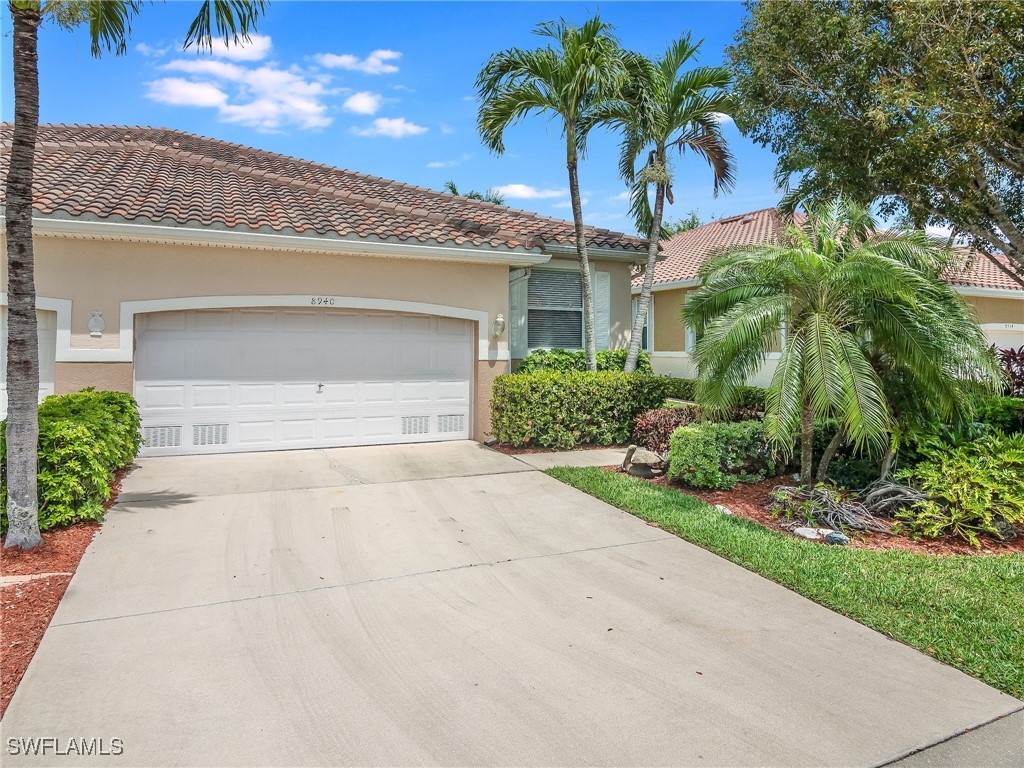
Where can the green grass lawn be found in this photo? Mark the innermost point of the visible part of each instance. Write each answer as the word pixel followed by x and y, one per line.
pixel 963 610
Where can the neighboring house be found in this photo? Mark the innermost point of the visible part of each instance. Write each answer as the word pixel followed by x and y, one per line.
pixel 253 301
pixel 997 300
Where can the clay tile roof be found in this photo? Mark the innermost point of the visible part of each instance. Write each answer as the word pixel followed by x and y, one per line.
pixel 168 177
pixel 685 253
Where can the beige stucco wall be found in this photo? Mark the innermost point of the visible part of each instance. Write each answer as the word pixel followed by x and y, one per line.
pixel 991 309
pixel 669 335
pixel 99 275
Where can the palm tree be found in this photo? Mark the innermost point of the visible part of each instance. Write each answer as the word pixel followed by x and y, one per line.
pixel 490 196
pixel 576 79
pixel 843 295
pixel 109 25
pixel 670 110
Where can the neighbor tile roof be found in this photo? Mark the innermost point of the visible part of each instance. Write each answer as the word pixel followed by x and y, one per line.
pixel 686 252
pixel 167 177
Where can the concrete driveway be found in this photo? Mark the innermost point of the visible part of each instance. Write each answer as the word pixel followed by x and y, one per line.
pixel 448 605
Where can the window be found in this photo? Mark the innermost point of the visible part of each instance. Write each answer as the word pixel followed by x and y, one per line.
pixel 645 338
pixel 691 338
pixel 554 301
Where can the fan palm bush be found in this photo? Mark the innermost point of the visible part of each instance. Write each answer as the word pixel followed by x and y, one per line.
pixel 843 296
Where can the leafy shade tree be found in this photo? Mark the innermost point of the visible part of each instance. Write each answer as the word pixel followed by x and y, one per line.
pixel 578 77
pixel 490 196
pixel 668 110
pixel 109 24
pixel 672 227
pixel 846 296
pixel 915 105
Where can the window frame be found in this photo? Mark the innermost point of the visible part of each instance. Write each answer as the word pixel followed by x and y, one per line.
pixel 578 311
pixel 647 345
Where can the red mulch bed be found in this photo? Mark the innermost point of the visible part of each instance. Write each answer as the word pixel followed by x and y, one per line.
pixel 27 607
pixel 751 500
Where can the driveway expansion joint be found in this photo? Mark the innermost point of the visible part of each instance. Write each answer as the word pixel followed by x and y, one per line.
pixel 363 582
pixel 955 735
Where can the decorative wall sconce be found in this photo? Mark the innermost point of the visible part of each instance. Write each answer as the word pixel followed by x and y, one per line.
pixel 96 324
pixel 498 327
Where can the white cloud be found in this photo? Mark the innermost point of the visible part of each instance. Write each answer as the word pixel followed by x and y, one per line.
pixel 392 127
pixel 185 93
pixel 363 103
pixel 256 48
pixel 447 129
pixel 623 195
pixel 526 192
pixel 151 50
pixel 721 118
pixel 448 163
pixel 374 64
pixel 266 97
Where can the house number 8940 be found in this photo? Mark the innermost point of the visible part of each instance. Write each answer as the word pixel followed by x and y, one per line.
pixel 321 301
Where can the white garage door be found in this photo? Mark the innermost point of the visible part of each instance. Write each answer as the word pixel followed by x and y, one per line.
pixel 213 381
pixel 47 335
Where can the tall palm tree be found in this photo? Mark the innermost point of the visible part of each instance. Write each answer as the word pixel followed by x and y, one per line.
pixel 670 110
pixel 576 77
pixel 844 294
pixel 109 23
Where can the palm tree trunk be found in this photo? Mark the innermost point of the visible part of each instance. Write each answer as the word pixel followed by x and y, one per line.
pixel 589 339
pixel 22 343
pixel 806 445
pixel 826 456
pixel 644 302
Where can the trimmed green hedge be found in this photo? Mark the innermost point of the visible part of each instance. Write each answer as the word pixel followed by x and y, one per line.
pixel 720 454
pixel 83 439
pixel 686 389
pixel 566 360
pixel 563 410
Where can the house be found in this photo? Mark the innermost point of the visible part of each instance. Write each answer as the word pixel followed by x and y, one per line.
pixel 253 301
pixel 997 300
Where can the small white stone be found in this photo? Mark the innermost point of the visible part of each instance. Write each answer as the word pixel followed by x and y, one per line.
pixel 724 509
pixel 807 533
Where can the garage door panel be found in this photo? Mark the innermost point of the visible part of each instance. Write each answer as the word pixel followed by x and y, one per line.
pixel 258 379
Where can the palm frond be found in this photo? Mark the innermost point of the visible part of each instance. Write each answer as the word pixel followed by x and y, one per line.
pixel 232 20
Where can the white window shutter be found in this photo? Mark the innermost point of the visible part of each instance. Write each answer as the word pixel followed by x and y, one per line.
pixel 602 309
pixel 517 319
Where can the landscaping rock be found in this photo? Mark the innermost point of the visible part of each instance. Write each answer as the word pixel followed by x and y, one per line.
pixel 827 534
pixel 807 533
pixel 641 462
pixel 724 509
pixel 835 537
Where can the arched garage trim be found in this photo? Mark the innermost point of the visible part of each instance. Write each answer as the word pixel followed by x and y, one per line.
pixel 124 353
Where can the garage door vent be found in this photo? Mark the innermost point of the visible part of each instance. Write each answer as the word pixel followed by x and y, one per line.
pixel 415 425
pixel 209 434
pixel 453 423
pixel 162 437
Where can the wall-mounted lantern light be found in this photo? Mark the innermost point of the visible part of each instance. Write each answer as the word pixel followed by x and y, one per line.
pixel 96 324
pixel 498 327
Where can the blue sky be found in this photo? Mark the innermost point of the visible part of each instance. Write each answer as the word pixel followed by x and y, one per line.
pixel 385 89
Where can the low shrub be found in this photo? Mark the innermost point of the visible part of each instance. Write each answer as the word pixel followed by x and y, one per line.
pixel 563 410
pixel 720 454
pixel 1005 414
pixel 680 389
pixel 83 439
pixel 566 360
pixel 972 488
pixel 750 398
pixel 654 428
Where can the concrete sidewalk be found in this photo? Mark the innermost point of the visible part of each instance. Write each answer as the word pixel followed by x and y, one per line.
pixel 447 605
pixel 588 457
